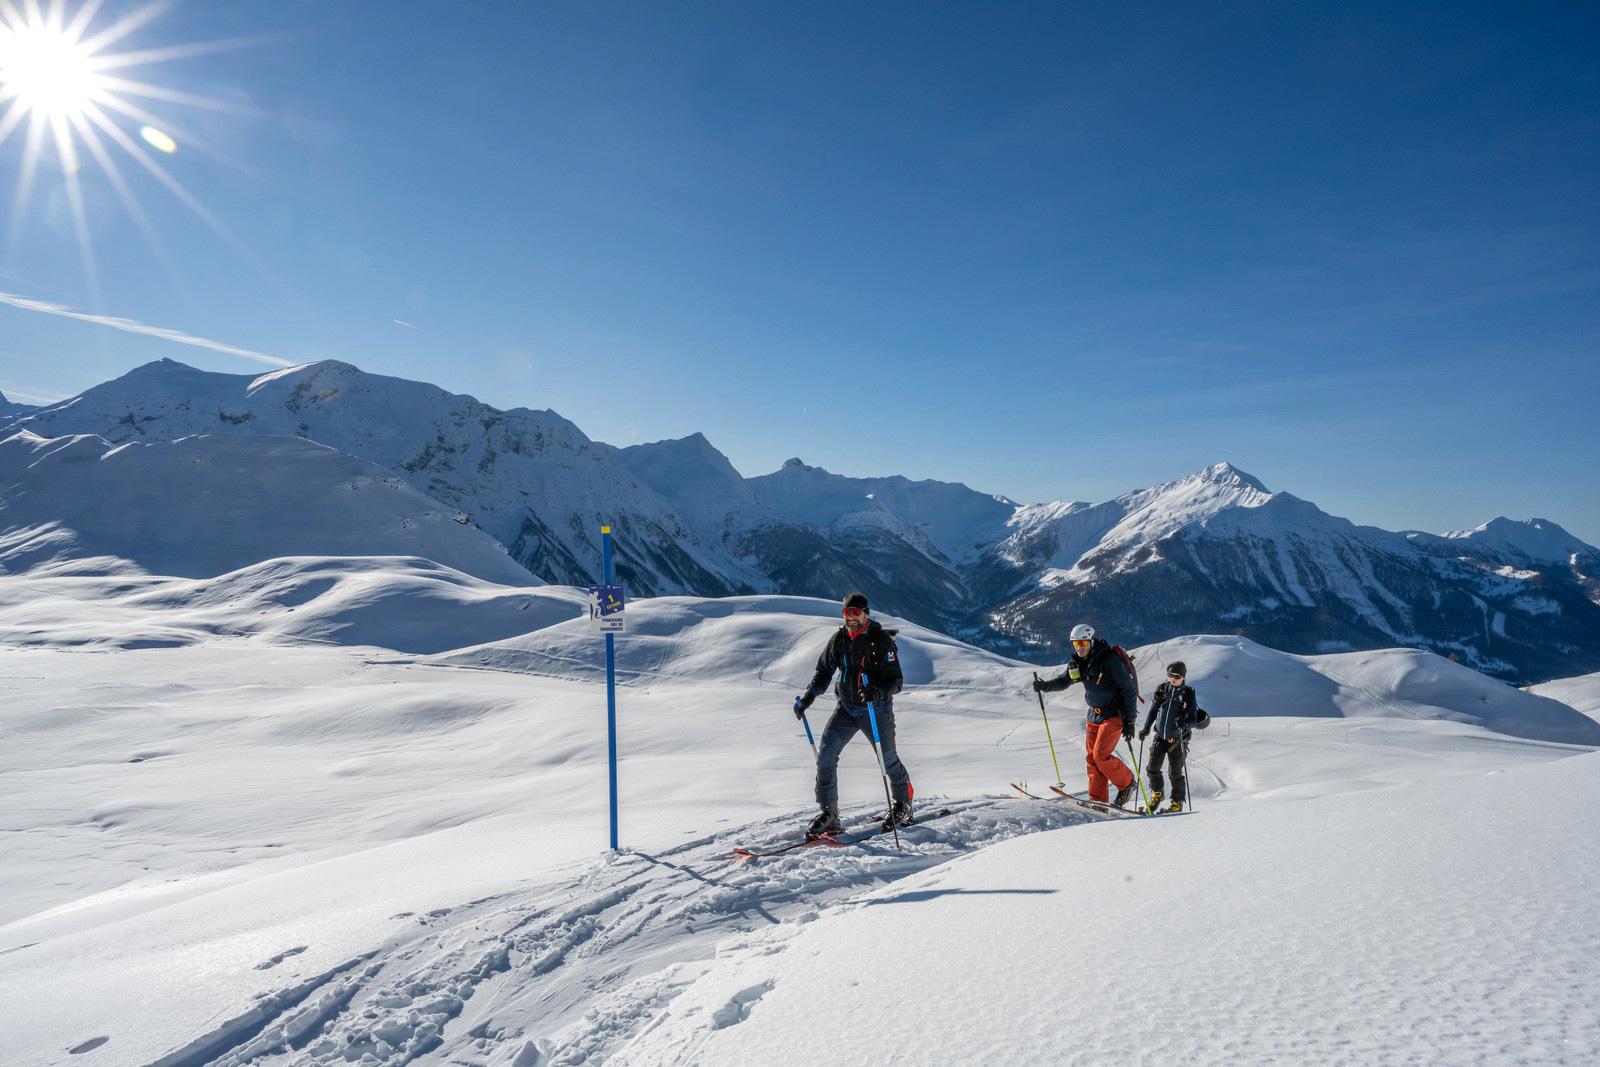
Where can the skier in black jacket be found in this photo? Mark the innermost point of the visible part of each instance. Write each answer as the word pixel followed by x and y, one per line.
pixel 1113 705
pixel 1174 712
pixel 860 649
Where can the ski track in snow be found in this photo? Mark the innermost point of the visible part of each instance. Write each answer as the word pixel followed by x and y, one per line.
pixel 570 973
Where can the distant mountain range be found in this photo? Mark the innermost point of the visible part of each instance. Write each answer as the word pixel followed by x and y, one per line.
pixel 8 410
pixel 1214 552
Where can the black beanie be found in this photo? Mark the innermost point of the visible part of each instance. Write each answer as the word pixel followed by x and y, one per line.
pixel 1177 667
pixel 856 600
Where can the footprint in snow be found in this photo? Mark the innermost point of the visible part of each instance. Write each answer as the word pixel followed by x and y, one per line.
pixel 267 965
pixel 737 1010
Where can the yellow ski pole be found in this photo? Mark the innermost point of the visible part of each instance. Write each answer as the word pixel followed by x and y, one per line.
pixel 1040 694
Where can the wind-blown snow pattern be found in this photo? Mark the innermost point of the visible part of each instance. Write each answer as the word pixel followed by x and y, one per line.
pixel 251 846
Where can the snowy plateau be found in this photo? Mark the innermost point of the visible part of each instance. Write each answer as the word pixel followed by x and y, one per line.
pixel 301 764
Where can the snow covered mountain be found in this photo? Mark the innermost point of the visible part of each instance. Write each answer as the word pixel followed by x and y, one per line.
pixel 201 506
pixel 531 479
pixel 10 412
pixel 814 533
pixel 1217 550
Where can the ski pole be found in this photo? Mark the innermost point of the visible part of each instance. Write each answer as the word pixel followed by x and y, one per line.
pixel 1040 694
pixel 807 724
pixel 1138 775
pixel 872 717
pixel 1141 756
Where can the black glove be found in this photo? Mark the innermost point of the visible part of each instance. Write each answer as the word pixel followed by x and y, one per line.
pixel 1144 733
pixel 870 694
pixel 801 703
pixel 1038 685
pixel 1186 737
pixel 1127 730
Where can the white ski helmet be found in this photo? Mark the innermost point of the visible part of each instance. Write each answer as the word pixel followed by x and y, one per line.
pixel 1082 632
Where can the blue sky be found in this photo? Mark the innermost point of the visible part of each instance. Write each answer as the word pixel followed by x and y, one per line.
pixel 1052 251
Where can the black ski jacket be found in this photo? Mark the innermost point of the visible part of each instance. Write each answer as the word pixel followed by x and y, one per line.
pixel 1107 685
pixel 1172 711
pixel 873 653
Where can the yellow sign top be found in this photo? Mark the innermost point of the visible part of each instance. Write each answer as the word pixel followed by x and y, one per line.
pixel 605 529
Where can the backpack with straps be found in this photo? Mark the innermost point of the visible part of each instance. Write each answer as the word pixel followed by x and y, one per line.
pixel 1133 672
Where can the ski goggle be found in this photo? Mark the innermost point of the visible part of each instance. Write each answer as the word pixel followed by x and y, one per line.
pixel 853 613
pixel 1176 677
pixel 1081 646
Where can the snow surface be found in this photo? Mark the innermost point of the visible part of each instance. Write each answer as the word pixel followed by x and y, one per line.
pixel 82 505
pixel 262 845
pixel 1582 693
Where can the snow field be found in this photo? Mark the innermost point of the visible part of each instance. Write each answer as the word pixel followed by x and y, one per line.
pixel 1440 924
pixel 273 849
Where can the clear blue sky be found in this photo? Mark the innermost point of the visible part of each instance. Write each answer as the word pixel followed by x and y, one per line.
pixel 1050 250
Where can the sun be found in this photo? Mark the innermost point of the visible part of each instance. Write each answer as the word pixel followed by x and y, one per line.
pixel 62 85
pixel 47 71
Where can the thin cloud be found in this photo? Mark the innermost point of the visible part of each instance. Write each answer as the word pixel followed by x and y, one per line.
pixel 134 326
pixel 28 396
pixel 403 322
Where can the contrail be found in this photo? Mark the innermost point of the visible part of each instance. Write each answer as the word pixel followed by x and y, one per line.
pixel 134 326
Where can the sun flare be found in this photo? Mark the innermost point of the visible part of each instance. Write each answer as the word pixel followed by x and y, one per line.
pixel 62 84
pixel 47 71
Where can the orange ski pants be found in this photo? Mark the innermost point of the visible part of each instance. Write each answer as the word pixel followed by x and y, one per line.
pixel 1099 753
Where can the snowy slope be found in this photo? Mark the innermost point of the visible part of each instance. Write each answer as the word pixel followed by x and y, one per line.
pixel 10 412
pixel 402 603
pixel 202 506
pixel 531 479
pixel 237 850
pixel 1582 693
pixel 1352 930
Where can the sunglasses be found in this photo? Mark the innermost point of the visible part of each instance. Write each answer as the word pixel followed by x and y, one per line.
pixel 853 613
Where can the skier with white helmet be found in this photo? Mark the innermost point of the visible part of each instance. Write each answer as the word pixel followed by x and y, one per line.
pixel 1112 695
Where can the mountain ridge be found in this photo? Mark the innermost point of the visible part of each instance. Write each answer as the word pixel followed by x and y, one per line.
pixel 1515 599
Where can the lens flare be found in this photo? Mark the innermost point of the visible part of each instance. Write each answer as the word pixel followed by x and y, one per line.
pixel 61 86
pixel 158 139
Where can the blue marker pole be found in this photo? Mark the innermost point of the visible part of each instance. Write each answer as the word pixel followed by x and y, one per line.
pixel 611 685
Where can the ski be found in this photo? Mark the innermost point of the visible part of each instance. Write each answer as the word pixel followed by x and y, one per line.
pixel 1093 805
pixel 761 853
pixel 834 840
pixel 1024 792
pixel 1109 808
pixel 879 831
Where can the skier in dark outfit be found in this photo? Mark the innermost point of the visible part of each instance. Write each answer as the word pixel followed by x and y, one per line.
pixel 859 648
pixel 1174 711
pixel 1113 706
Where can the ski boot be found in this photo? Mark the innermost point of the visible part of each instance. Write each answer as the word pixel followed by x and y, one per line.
pixel 1176 806
pixel 824 825
pixel 1121 799
pixel 1155 801
pixel 899 815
